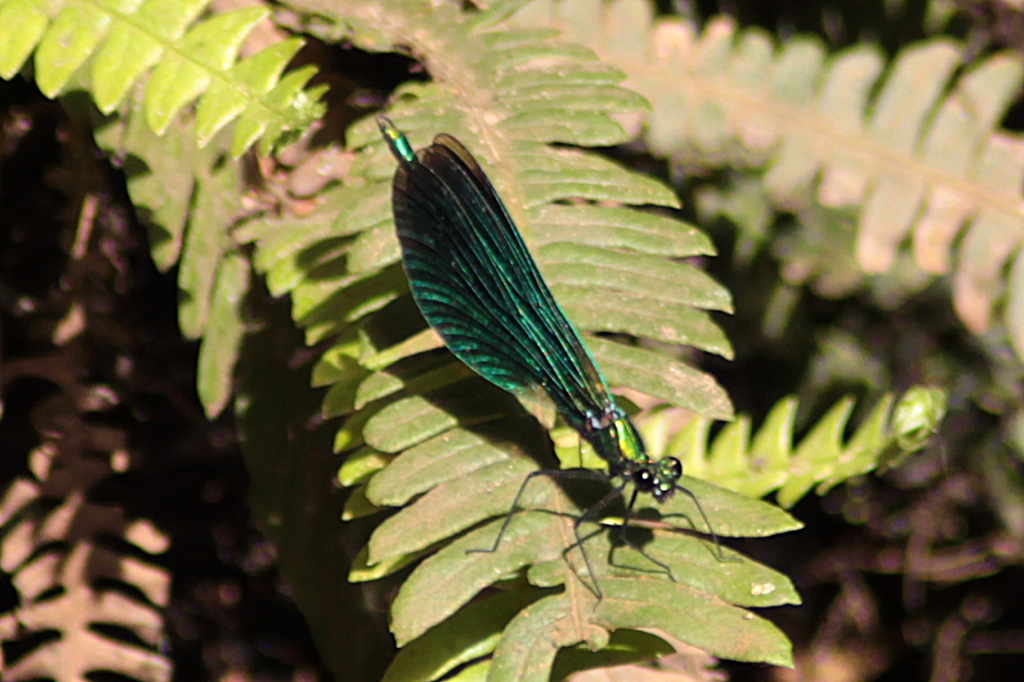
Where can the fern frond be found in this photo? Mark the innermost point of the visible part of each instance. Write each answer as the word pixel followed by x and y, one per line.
pixel 912 146
pixel 823 458
pixel 108 50
pixel 425 434
pixel 188 199
pixel 61 562
pixel 59 577
pixel 149 61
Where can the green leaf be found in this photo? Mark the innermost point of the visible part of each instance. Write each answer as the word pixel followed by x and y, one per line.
pixel 469 634
pixel 126 54
pixel 616 228
pixel 450 578
pixel 287 109
pixel 711 624
pixel 577 265
pixel 454 506
pixel 26 24
pixel 730 514
pixel 414 419
pixel 526 652
pixel 453 455
pixel 358 505
pixel 206 49
pixel 771 462
pixel 696 563
pixel 225 100
pixel 549 175
pixel 361 465
pixel 128 41
pixel 205 243
pixel 161 177
pixel 222 337
pixel 644 315
pixel 917 416
pixel 67 43
pixel 624 647
pixel 295 501
pixel 653 374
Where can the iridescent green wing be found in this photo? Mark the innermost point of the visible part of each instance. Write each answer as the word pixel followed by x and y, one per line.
pixel 477 284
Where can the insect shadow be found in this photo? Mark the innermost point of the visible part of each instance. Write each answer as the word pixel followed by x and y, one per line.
pixel 634 531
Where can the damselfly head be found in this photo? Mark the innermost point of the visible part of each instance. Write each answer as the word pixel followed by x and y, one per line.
pixel 659 478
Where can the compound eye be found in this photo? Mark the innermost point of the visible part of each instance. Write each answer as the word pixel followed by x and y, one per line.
pixel 674 468
pixel 644 480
